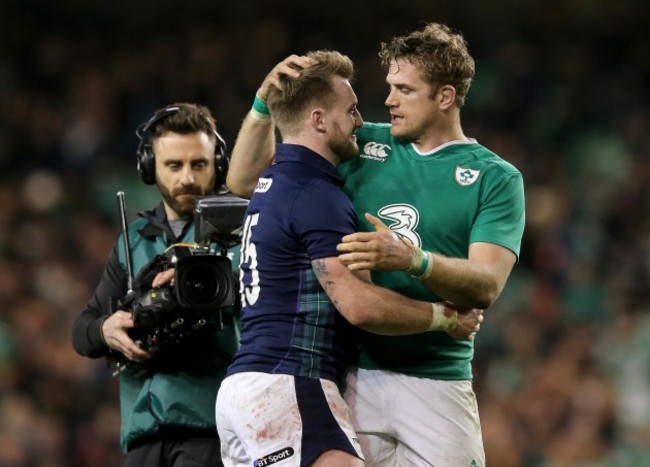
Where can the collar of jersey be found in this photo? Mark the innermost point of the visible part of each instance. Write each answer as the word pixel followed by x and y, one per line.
pixel 304 155
pixel 442 147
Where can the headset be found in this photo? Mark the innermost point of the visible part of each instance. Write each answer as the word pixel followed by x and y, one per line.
pixel 146 161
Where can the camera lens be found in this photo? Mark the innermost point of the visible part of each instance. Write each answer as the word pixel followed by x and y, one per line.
pixel 204 282
pixel 201 283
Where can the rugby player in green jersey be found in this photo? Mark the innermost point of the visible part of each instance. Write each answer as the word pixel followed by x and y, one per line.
pixel 443 219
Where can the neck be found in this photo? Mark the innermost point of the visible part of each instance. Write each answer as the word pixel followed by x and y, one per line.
pixel 438 135
pixel 321 149
pixel 173 215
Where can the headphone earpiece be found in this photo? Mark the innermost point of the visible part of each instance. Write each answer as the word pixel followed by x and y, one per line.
pixel 146 161
pixel 221 163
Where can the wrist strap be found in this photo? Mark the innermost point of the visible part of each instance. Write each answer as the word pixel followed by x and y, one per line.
pixel 255 115
pixel 428 266
pixel 417 259
pixel 260 106
pixel 442 318
pixel 260 111
pixel 421 264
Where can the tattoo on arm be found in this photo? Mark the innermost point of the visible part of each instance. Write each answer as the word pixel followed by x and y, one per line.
pixel 320 269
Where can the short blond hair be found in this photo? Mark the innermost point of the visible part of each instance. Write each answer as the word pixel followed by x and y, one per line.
pixel 288 105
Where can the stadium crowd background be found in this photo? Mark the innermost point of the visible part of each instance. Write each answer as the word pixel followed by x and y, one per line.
pixel 562 368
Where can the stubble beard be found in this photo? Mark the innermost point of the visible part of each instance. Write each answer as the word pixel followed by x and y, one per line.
pixel 345 148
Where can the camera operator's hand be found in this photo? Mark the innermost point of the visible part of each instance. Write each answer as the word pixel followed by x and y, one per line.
pixel 163 278
pixel 114 331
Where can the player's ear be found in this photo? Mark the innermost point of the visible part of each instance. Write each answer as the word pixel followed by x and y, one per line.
pixel 317 118
pixel 446 96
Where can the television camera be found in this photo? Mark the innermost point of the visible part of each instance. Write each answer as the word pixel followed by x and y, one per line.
pixel 204 282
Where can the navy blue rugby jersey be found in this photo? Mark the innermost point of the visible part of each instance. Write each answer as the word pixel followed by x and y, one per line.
pixel 298 213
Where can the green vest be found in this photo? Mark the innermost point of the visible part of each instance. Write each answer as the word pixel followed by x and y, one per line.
pixel 183 392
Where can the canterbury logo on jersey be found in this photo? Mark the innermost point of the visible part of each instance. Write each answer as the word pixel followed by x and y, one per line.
pixel 465 176
pixel 376 151
pixel 263 185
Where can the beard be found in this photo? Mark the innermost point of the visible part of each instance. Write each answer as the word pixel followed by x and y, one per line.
pixel 346 150
pixel 345 147
pixel 183 200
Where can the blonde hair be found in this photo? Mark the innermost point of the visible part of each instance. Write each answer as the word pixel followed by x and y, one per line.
pixel 314 85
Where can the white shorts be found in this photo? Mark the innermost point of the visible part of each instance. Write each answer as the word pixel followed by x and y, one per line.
pixel 408 421
pixel 266 419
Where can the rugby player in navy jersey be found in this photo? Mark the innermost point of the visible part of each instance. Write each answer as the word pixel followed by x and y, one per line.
pixel 281 400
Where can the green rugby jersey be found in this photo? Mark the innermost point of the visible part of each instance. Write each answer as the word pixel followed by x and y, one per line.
pixel 441 201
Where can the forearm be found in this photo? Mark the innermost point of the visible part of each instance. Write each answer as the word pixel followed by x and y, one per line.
pixel 86 334
pixel 253 152
pixel 463 282
pixel 475 282
pixel 382 311
pixel 373 308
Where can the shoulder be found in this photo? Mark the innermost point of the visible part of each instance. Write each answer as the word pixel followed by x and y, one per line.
pixel 371 131
pixel 380 127
pixel 134 227
pixel 136 235
pixel 376 143
pixel 137 226
pixel 322 191
pixel 324 202
pixel 492 162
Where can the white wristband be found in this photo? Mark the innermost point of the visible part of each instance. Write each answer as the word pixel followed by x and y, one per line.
pixel 442 318
pixel 260 117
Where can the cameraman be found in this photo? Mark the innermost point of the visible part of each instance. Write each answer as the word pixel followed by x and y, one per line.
pixel 166 397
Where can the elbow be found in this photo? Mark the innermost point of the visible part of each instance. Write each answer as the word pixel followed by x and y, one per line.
pixel 483 303
pixel 238 188
pixel 86 340
pixel 360 316
pixel 486 298
pixel 76 340
pixel 80 346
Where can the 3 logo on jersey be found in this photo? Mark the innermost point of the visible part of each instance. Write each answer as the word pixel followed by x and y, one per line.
pixel 375 151
pixel 404 219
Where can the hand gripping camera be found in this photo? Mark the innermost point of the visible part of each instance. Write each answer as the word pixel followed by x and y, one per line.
pixel 204 282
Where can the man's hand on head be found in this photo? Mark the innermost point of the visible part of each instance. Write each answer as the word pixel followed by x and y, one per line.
pixel 290 67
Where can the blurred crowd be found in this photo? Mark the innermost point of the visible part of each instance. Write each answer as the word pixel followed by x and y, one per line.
pixel 562 365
